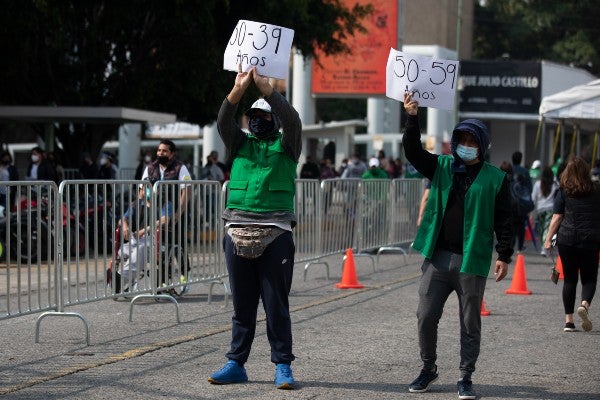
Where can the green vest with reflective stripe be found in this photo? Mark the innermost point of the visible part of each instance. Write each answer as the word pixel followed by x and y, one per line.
pixel 480 206
pixel 263 177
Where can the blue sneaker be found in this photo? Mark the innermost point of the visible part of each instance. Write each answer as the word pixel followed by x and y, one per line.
pixel 283 377
pixel 232 372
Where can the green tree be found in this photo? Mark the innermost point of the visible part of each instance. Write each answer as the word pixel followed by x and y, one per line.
pixel 159 55
pixel 567 32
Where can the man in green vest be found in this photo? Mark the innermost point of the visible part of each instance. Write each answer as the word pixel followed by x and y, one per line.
pixel 259 217
pixel 469 201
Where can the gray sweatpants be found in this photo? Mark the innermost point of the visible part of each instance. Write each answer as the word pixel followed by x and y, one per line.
pixel 441 276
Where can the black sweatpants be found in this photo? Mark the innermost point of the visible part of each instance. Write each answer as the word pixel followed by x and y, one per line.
pixel 268 277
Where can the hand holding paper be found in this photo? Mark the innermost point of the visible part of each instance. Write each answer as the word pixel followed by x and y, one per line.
pixel 432 82
pixel 254 44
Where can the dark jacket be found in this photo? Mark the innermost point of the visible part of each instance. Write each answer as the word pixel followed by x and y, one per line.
pixel 45 172
pixel 580 226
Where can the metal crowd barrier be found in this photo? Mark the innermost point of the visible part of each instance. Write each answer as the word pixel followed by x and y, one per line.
pixel 369 216
pixel 63 246
pixel 27 236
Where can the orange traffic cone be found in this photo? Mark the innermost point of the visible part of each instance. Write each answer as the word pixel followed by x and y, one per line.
pixel 559 268
pixel 519 282
pixel 484 311
pixel 349 280
pixel 528 237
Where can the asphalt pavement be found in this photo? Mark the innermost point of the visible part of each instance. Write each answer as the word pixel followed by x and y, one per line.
pixel 349 343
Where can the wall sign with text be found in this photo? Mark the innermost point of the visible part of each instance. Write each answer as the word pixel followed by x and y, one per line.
pixel 432 81
pixel 264 46
pixel 500 86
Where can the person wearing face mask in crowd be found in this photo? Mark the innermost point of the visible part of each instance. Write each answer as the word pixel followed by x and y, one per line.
pixel 40 169
pixel 88 169
pixel 469 201
pixel 8 173
pixel 259 218
pixel 108 170
pixel 167 167
pixel 144 162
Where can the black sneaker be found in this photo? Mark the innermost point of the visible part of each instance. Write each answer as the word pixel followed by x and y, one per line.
pixel 425 378
pixel 465 390
pixel 569 327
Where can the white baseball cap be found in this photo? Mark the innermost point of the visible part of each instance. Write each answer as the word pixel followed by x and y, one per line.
pixel 259 105
pixel 373 162
pixel 536 164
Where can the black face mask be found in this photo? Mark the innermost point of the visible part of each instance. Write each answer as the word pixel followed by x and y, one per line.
pixel 260 127
pixel 163 160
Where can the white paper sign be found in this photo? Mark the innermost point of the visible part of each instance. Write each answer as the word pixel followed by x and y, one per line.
pixel 433 81
pixel 264 46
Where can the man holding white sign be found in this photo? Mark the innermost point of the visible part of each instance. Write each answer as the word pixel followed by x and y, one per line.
pixel 259 217
pixel 469 202
pixel 266 47
pixel 431 81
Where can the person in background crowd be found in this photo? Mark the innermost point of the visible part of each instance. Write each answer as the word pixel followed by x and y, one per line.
pixel 54 159
pixel 518 169
pixel 224 167
pixel 212 171
pixel 355 168
pixel 521 182
pixel 167 167
pixel 310 169
pixel 88 168
pixel 144 162
pixel 8 173
pixel 543 194
pixel 518 217
pixel 108 170
pixel 399 167
pixel 392 169
pixel 534 171
pixel 259 218
pixel 40 169
pixel 558 166
pixel 343 166
pixel 469 203
pixel 576 223
pixel 327 170
pixel 374 171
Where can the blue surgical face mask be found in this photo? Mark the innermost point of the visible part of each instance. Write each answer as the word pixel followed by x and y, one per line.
pixel 466 153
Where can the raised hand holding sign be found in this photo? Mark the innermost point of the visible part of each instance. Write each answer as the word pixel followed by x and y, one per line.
pixel 264 46
pixel 431 81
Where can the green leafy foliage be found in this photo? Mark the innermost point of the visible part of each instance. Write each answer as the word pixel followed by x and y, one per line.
pixel 164 56
pixel 566 32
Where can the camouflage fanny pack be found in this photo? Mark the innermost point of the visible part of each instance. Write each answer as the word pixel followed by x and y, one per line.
pixel 251 241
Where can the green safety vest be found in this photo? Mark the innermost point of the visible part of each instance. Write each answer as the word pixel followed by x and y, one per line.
pixel 262 177
pixel 480 205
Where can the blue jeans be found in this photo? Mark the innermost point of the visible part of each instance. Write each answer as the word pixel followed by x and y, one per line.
pixel 441 276
pixel 268 277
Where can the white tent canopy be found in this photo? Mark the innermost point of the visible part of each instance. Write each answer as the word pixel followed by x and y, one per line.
pixel 579 105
